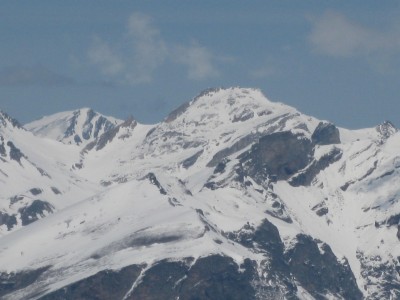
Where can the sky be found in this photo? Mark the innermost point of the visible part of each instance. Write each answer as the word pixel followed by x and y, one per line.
pixel 334 60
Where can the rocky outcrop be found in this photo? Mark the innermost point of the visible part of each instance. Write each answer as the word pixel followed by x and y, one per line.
pixel 107 284
pixel 386 129
pixel 211 277
pixel 109 135
pixel 2 147
pixel 306 176
pixel 37 209
pixel 381 277
pixel 10 282
pixel 319 271
pixel 9 220
pixel 310 262
pixel 278 155
pixel 326 134
pixel 190 161
pixel 6 120
pixel 15 153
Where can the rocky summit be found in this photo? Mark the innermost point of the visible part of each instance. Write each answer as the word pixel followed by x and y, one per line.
pixel 232 196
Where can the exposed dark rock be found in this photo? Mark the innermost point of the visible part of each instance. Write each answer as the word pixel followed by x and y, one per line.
pixel 150 132
pixel 220 168
pixel 153 180
pixel 382 277
pixel 5 119
pixel 266 239
pixel 2 147
pixel 78 165
pixel 15 199
pixel 393 220
pixel 211 185
pixel 35 191
pixel 10 282
pixel 319 272
pixel 41 171
pixel 55 190
pixel 15 153
pixel 109 135
pixel 177 112
pixel 369 172
pixel 88 126
pixel 244 116
pixel 386 129
pixel 307 176
pixel 279 212
pixel 107 284
pixel 211 277
pixel 190 161
pixel 162 281
pixel 9 220
pixel 218 277
pixel 102 122
pixel 239 145
pixel 280 155
pixel 320 209
pixel 71 128
pixel 34 211
pixel 144 240
pixel 275 124
pixel 326 134
pixel 386 174
pixel 77 139
pixel 345 186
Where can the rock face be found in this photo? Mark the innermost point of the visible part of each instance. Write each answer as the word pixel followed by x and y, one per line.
pixel 106 284
pixel 101 141
pixel 14 281
pixel 319 271
pixel 15 153
pixel 326 134
pixel 34 211
pixel 6 219
pixel 279 155
pixel 212 277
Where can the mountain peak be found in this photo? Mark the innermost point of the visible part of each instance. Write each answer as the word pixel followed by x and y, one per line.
pixel 80 126
pixel 6 120
pixel 228 105
pixel 386 129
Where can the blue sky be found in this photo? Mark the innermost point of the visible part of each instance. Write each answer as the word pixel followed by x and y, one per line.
pixel 335 60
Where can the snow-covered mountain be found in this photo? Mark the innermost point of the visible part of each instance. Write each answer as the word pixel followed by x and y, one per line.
pixel 73 127
pixel 35 176
pixel 232 196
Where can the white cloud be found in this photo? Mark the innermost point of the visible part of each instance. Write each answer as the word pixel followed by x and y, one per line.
pixel 334 35
pixel 33 76
pixel 101 54
pixel 199 61
pixel 149 49
pixel 137 57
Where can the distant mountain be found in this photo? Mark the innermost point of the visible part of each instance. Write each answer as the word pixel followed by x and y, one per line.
pixel 232 196
pixel 73 127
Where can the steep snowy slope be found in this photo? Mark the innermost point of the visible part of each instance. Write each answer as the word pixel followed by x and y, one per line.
pixel 73 127
pixel 232 196
pixel 35 176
